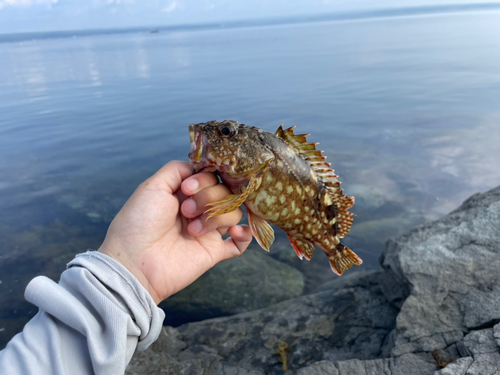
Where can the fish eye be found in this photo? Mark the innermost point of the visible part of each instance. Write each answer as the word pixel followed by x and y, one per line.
pixel 227 130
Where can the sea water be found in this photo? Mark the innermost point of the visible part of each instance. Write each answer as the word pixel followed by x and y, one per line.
pixel 407 110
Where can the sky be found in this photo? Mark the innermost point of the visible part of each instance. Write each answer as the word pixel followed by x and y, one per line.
pixel 54 15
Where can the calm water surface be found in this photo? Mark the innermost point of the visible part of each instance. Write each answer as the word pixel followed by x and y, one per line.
pixel 406 109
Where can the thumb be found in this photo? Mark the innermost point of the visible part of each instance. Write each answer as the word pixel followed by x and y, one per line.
pixel 170 176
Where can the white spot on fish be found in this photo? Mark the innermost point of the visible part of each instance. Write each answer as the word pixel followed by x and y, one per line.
pixel 282 199
pixel 289 189
pixel 297 211
pixel 270 200
pixel 279 185
pixel 284 212
pixel 297 221
pixel 327 200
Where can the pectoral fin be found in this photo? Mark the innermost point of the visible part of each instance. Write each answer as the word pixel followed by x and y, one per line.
pixel 302 249
pixel 261 230
pixel 232 201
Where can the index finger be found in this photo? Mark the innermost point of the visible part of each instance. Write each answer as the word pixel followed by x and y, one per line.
pixel 170 176
pixel 198 182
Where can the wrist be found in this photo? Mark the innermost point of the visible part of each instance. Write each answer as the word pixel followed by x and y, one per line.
pixel 122 257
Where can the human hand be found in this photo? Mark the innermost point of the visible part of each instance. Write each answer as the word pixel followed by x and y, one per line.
pixel 167 250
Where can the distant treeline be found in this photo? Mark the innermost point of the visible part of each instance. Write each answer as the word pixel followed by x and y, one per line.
pixel 379 13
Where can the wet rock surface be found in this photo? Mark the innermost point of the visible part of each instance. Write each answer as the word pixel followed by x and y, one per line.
pixel 433 309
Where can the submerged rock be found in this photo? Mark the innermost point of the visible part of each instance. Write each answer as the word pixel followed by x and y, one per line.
pixel 434 309
pixel 250 282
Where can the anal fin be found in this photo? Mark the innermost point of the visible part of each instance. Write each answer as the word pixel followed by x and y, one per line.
pixel 261 230
pixel 343 258
pixel 302 249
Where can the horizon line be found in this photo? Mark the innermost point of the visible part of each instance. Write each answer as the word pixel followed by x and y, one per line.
pixel 257 22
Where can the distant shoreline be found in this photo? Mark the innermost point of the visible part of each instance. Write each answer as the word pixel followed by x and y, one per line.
pixel 344 16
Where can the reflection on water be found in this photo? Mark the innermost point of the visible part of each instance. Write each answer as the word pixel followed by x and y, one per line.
pixel 406 109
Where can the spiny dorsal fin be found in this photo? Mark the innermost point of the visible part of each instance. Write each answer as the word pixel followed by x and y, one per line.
pixel 322 169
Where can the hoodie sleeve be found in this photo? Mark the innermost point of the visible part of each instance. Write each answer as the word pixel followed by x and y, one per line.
pixel 91 322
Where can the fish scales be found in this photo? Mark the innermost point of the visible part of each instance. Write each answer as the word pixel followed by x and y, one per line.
pixel 281 179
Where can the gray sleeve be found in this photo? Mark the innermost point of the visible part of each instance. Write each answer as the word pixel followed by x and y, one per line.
pixel 92 322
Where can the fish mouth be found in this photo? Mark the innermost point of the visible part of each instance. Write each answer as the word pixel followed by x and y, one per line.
pixel 198 150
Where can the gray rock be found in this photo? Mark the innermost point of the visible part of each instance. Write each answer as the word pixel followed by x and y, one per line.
pixel 348 323
pixel 436 300
pixel 346 281
pixel 496 334
pixel 319 368
pixel 480 342
pixel 451 266
pixel 489 302
pixel 251 282
pixel 412 364
pixel 352 367
pixel 459 367
pixel 378 366
pixel 485 364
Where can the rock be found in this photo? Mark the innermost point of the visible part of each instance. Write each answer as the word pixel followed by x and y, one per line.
pixel 353 366
pixel 319 368
pixel 348 323
pixel 435 303
pixel 378 367
pixel 348 280
pixel 496 334
pixel 481 342
pixel 485 364
pixel 451 266
pixel 412 364
pixel 459 367
pixel 253 281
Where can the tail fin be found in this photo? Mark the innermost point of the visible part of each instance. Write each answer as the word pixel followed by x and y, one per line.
pixel 343 258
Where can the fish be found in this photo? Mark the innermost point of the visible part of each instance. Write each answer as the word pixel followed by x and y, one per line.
pixel 280 179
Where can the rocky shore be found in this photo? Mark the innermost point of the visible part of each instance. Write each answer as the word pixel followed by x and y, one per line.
pixel 433 308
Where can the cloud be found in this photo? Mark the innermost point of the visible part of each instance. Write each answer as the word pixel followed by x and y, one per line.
pixel 25 3
pixel 171 7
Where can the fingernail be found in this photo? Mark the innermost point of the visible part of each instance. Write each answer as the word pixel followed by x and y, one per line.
pixel 192 185
pixel 196 226
pixel 190 206
pixel 239 228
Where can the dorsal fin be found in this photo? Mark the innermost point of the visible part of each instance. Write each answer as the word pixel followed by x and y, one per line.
pixel 317 162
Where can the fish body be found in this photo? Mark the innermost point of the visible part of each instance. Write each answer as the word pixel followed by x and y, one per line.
pixel 281 179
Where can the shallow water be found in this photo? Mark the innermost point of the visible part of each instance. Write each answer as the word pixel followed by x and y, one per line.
pixel 405 108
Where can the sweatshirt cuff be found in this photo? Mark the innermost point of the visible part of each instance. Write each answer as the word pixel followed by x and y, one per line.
pixel 148 317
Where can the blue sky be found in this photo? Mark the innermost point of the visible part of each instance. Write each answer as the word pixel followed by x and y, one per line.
pixel 49 15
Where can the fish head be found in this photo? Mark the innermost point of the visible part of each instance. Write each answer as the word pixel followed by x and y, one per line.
pixel 226 146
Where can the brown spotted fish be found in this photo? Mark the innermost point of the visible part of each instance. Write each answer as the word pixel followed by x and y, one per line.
pixel 281 179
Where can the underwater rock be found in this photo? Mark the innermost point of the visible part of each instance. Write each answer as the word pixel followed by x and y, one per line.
pixel 250 282
pixel 432 310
